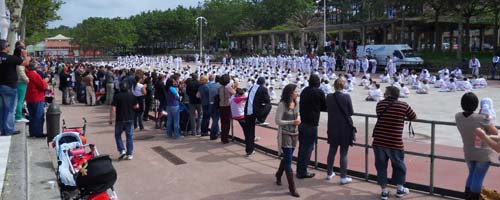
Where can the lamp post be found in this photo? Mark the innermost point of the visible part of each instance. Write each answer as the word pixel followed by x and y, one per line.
pixel 324 21
pixel 200 21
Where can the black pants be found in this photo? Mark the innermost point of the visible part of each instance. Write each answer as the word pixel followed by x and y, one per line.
pixel 148 102
pixel 249 131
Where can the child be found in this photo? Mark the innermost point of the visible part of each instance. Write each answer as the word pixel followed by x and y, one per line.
pixel 424 88
pixel 370 85
pixel 438 83
pixel 432 79
pixel 449 87
pixel 237 106
pixel 416 84
pixel 349 87
pixel 404 91
pixel 396 83
pixel 71 95
pixel 482 82
pixel 466 85
pixel 375 94
pixel 486 108
pixel 385 77
pixel 364 82
pixel 325 86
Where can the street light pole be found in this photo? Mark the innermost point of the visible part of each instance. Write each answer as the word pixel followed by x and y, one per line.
pixel 200 20
pixel 324 24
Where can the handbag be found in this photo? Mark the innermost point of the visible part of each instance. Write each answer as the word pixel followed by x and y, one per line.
pixel 354 129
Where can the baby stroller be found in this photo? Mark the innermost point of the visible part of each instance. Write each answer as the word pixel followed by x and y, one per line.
pixel 80 130
pixel 81 173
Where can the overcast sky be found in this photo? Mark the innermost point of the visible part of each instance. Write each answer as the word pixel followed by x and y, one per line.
pixel 75 11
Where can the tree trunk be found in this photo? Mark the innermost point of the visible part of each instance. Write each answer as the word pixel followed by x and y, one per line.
pixel 467 34
pixel 452 30
pixel 495 31
pixel 393 32
pixel 460 39
pixel 481 38
pixel 14 24
pixel 23 28
pixel 436 30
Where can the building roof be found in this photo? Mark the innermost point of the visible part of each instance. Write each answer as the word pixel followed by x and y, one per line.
pixel 59 37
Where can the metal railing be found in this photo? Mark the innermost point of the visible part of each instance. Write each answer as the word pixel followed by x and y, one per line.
pixel 430 188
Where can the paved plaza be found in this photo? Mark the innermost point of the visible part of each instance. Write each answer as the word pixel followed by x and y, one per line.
pixel 212 170
pixel 216 171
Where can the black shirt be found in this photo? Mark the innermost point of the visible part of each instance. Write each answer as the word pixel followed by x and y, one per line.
pixel 64 80
pixel 8 71
pixel 312 102
pixel 191 90
pixel 124 103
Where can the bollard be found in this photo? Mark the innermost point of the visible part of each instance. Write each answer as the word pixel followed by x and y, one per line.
pixel 53 117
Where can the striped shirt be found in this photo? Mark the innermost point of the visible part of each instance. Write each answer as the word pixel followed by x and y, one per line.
pixel 388 131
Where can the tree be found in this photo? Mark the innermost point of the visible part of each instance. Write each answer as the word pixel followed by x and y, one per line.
pixel 439 7
pixel 36 15
pixel 304 18
pixel 494 6
pixel 38 36
pixel 470 8
pixel 223 16
pixel 104 34
pixel 16 8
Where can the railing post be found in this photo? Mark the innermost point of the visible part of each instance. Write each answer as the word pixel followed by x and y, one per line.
pixel 432 157
pixel 366 148
pixel 316 154
pixel 232 130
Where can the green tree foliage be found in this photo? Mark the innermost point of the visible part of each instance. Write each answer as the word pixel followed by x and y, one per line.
pixel 37 14
pixel 104 34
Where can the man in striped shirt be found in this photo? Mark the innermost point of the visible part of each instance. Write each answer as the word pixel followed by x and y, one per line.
pixel 388 140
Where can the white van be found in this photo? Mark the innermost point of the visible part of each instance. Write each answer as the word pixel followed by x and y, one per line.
pixel 402 53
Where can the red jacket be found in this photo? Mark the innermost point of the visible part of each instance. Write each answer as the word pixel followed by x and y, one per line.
pixel 36 87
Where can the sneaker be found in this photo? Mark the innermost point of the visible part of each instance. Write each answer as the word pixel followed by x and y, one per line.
pixel 345 180
pixel 22 120
pixel 251 153
pixel 263 124
pixel 330 177
pixel 385 195
pixel 403 192
pixel 256 139
pixel 129 157
pixel 122 155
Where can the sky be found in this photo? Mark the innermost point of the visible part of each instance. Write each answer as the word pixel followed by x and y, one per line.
pixel 73 12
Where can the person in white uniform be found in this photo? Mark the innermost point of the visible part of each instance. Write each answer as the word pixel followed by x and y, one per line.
pixel 474 65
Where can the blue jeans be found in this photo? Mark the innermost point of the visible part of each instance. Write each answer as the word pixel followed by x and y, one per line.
pixel 173 117
pixel 307 138
pixel 287 158
pixel 214 115
pixel 477 172
pixel 397 157
pixel 8 98
pixel 126 126
pixel 37 113
pixel 205 119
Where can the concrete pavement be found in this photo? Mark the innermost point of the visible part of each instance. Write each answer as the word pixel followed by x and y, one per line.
pixel 212 170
